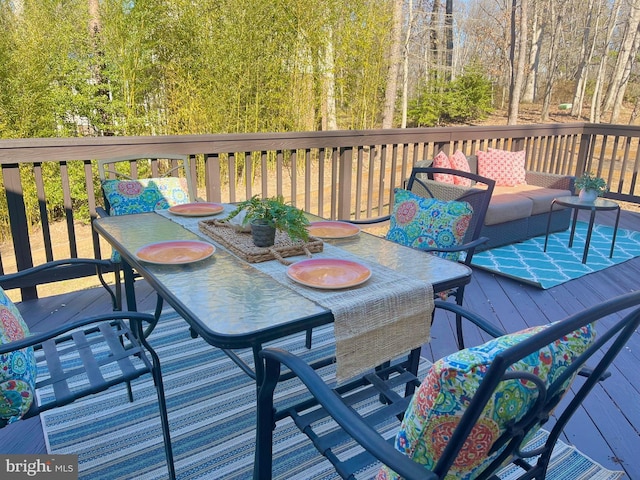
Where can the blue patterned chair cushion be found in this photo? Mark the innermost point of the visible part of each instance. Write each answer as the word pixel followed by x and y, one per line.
pixel 426 223
pixel 144 195
pixel 18 368
pixel 443 396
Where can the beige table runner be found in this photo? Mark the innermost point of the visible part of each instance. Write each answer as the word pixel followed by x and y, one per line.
pixel 375 322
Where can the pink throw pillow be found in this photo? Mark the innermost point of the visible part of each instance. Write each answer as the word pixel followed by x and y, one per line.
pixel 459 162
pixel 442 161
pixel 506 168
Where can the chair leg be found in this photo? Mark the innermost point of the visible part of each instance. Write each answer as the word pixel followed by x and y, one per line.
pixel 262 467
pixel 162 405
pixel 118 287
pixel 307 341
pixel 157 312
pixel 164 419
pixel 459 335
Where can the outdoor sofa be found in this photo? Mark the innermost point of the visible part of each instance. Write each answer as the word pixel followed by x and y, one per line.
pixel 516 212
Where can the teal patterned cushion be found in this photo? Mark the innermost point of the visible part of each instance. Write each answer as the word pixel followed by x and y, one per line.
pixel 144 195
pixel 427 223
pixel 443 397
pixel 18 368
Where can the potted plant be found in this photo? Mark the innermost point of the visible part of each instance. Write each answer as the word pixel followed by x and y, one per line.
pixel 266 215
pixel 590 187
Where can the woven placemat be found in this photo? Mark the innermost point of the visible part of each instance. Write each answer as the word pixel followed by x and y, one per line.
pixel 241 243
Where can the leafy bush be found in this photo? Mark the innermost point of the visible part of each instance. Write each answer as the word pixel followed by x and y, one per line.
pixel 464 99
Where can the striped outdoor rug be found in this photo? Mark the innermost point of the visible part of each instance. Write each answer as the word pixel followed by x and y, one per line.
pixel 212 414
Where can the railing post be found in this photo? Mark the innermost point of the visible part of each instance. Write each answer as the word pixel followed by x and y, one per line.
pixel 586 142
pixel 344 182
pixel 18 224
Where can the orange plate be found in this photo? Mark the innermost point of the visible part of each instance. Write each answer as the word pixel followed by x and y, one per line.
pixel 196 209
pixel 175 252
pixel 333 229
pixel 328 273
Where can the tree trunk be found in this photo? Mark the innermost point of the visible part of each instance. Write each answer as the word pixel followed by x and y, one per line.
pixel 617 104
pixel 586 54
pixel 517 70
pixel 626 50
pixel 529 94
pixel 595 113
pixel 556 22
pixel 405 67
pixel 391 92
pixel 329 120
pixel 448 33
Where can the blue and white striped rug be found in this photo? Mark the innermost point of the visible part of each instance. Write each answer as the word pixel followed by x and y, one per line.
pixel 528 262
pixel 212 415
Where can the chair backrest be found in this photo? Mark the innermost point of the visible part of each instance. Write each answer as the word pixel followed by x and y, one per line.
pixel 163 181
pixel 497 396
pixel 421 182
pixel 162 170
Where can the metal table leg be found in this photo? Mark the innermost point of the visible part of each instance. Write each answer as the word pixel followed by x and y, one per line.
pixel 589 230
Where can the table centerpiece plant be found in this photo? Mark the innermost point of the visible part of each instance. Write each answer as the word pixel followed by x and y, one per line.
pixel 271 214
pixel 590 187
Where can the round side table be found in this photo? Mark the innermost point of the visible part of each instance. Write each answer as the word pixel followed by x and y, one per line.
pixel 576 204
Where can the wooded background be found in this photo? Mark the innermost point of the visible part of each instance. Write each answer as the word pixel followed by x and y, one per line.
pixel 146 67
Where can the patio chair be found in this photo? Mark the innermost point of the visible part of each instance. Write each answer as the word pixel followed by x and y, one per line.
pixel 474 411
pixel 126 193
pixel 78 359
pixel 453 233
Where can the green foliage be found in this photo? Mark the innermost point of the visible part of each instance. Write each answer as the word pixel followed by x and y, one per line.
pixel 589 181
pixel 184 67
pixel 275 212
pixel 464 99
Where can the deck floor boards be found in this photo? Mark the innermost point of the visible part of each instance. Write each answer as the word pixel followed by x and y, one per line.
pixel 607 428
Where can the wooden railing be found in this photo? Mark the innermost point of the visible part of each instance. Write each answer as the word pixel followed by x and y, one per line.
pixel 335 174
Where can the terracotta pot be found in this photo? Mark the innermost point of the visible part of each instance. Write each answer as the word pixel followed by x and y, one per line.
pixel 263 234
pixel 588 196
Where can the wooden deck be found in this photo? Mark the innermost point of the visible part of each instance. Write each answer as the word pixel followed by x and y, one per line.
pixel 607 428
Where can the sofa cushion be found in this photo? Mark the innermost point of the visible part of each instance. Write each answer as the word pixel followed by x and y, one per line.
pixel 541 197
pixel 507 206
pixel 445 394
pixel 442 161
pixel 506 168
pixel 427 223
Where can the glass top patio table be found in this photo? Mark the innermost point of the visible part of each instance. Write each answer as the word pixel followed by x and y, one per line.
pixel 231 304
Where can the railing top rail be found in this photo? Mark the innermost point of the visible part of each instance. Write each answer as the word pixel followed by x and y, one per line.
pixel 84 148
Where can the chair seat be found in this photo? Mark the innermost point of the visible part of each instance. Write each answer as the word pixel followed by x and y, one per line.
pixel 97 358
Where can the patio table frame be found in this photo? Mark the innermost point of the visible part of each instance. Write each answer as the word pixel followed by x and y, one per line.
pixel 128 233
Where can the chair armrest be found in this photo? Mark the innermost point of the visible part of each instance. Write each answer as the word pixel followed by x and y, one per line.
pixel 551 180
pixel 369 221
pixel 348 420
pixel 102 213
pixel 482 323
pixel 59 270
pixel 457 248
pixel 38 338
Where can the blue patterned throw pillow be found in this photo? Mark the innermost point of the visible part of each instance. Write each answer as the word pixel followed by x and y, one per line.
pixel 17 368
pixel 144 195
pixel 426 223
